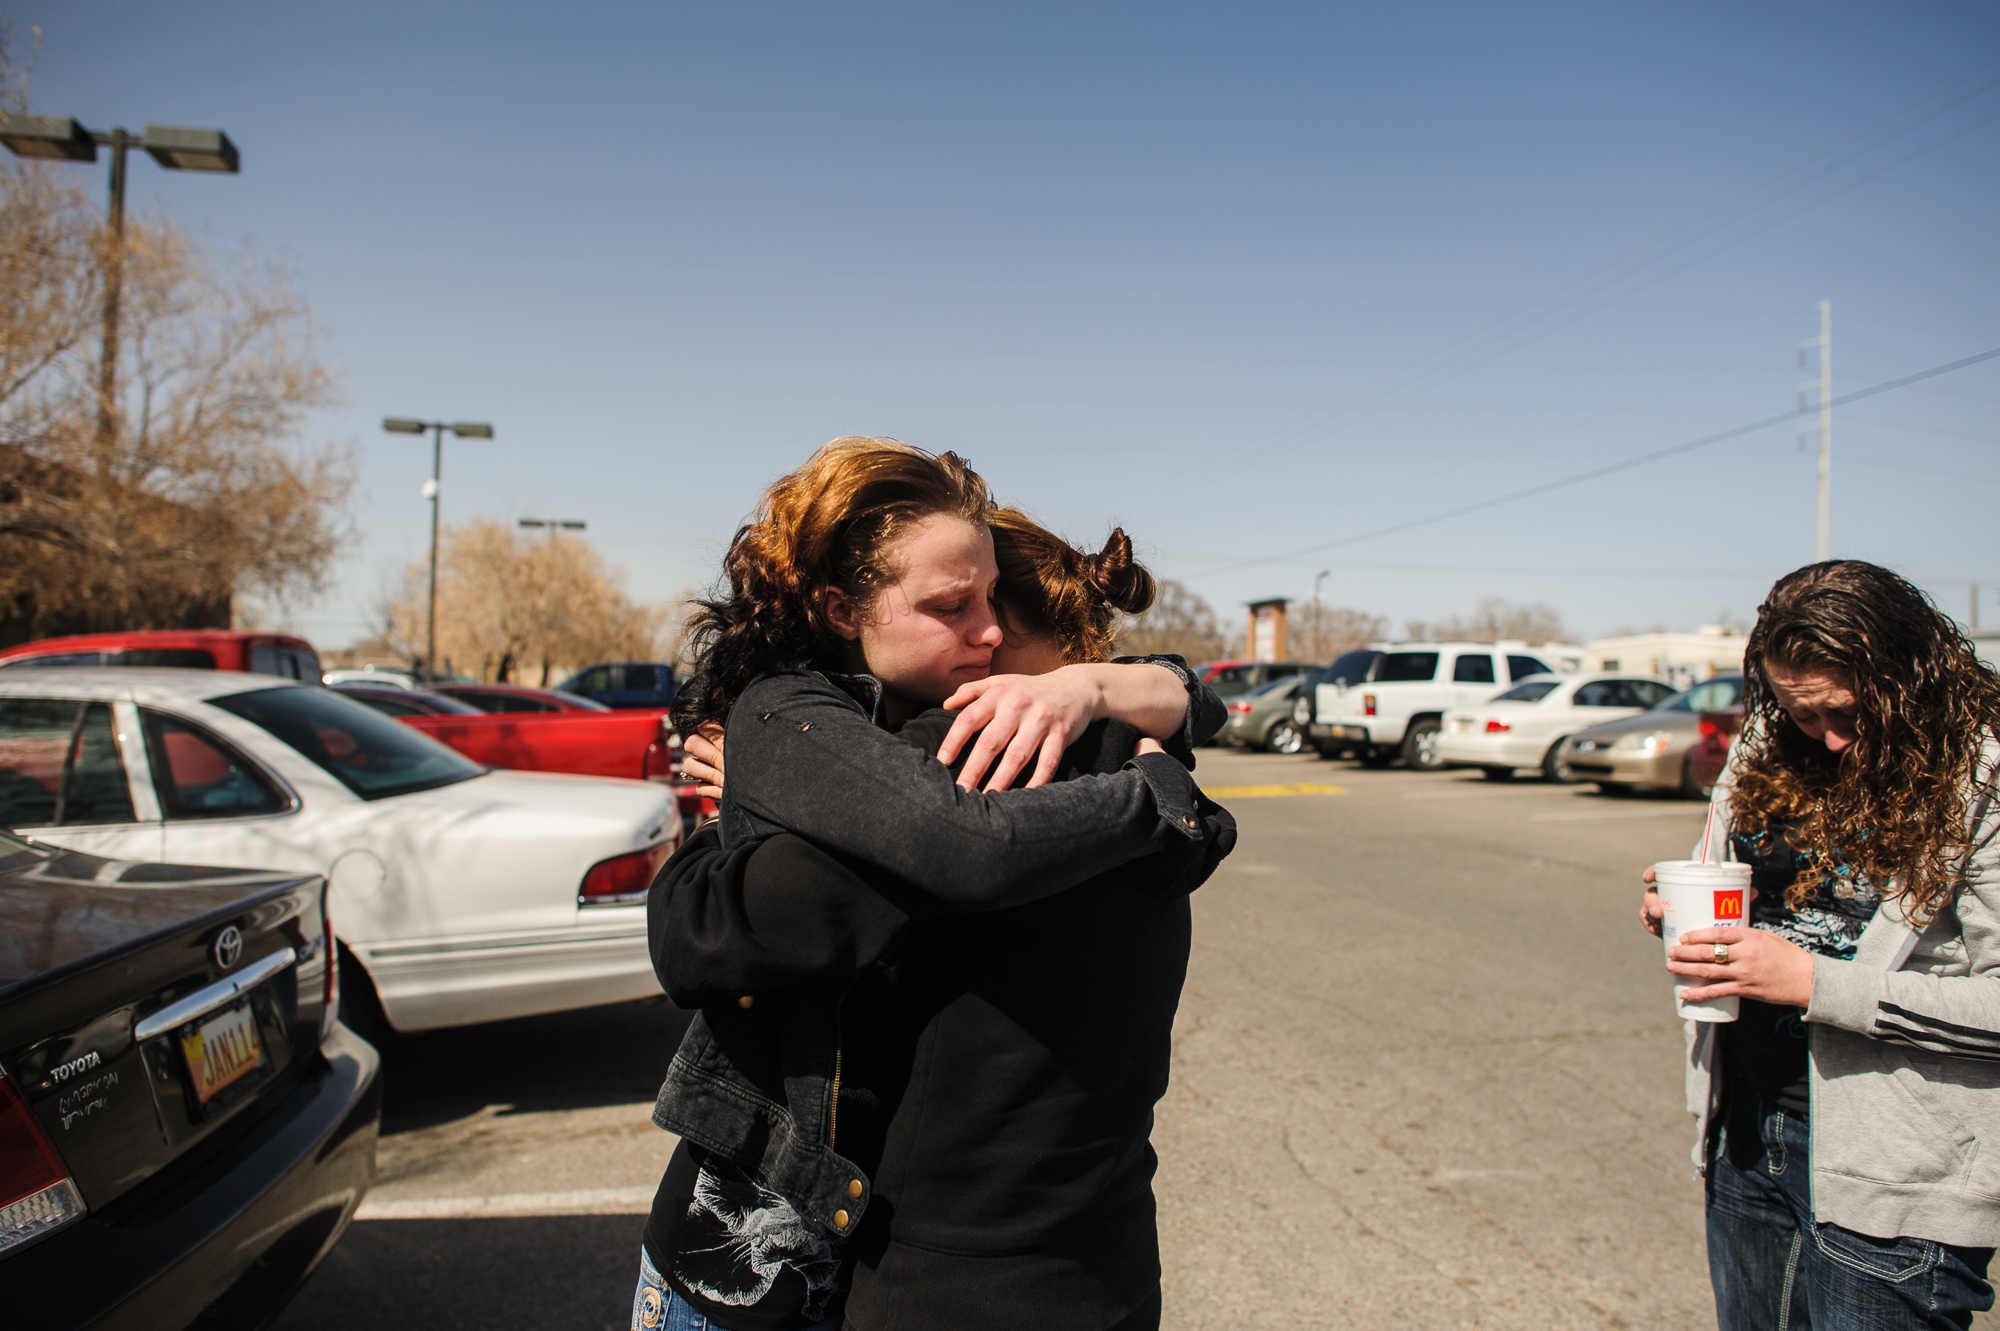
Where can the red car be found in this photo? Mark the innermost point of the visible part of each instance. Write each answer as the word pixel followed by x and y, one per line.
pixel 591 740
pixel 187 649
pixel 1717 731
pixel 517 698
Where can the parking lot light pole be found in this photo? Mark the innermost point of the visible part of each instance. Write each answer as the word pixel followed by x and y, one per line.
pixel 175 147
pixel 464 430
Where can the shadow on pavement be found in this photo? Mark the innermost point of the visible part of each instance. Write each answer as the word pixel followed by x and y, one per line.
pixel 562 1060
pixel 555 1273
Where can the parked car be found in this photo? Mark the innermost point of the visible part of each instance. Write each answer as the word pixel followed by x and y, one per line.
pixel 588 740
pixel 460 893
pixel 185 1129
pixel 1347 668
pixel 401 702
pixel 387 677
pixel 1398 710
pixel 625 684
pixel 1525 726
pixel 1651 750
pixel 184 649
pixel 1715 732
pixel 1229 678
pixel 1262 718
pixel 517 698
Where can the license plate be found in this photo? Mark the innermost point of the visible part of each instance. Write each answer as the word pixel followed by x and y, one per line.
pixel 223 1051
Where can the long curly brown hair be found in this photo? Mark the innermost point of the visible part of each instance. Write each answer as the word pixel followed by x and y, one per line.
pixel 1893 803
pixel 1049 588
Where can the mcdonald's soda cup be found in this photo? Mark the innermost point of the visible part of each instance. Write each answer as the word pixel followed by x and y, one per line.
pixel 1701 896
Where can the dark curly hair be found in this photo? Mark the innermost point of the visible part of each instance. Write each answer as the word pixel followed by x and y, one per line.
pixel 1893 803
pixel 830 524
pixel 1049 588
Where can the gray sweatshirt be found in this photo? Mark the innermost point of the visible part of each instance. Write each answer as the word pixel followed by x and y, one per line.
pixel 1904 1047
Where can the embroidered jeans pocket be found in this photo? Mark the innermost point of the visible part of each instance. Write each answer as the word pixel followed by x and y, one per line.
pixel 1891 1260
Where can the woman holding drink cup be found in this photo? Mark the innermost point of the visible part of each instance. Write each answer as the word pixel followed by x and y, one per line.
pixel 1841 1111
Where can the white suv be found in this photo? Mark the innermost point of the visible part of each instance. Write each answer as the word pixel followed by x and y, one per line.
pixel 1398 709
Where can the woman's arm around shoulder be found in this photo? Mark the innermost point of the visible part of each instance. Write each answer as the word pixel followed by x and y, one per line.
pixel 1026 721
pixel 805 758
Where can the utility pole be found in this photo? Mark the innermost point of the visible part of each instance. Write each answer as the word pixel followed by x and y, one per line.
pixel 1824 387
pixel 1975 605
pixel 1319 615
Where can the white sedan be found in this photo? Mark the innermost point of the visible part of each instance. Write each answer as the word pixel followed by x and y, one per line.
pixel 464 894
pixel 1526 725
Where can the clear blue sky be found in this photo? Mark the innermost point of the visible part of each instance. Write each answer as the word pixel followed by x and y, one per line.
pixel 1246 279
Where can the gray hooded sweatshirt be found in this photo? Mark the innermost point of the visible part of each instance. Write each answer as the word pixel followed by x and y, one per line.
pixel 1904 1049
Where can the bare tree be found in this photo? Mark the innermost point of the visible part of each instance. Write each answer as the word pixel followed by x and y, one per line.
pixel 203 489
pixel 511 605
pixel 1495 620
pixel 1180 623
pixel 1322 632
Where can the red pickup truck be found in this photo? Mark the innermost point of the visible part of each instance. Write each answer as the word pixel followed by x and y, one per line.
pixel 636 745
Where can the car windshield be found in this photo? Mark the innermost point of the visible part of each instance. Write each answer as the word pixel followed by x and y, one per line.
pixel 1711 695
pixel 365 751
pixel 1533 691
pixel 1276 685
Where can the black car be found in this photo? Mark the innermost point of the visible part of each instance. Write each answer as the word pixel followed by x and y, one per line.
pixel 185 1129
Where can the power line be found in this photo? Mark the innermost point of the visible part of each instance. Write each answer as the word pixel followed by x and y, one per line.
pixel 1594 473
pixel 1628 270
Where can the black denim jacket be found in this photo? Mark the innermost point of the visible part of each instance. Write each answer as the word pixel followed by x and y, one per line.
pixel 776 946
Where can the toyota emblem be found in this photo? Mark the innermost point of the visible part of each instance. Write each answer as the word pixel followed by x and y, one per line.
pixel 228 949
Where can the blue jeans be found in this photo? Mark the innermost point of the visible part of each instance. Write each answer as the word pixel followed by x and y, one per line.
pixel 1775 1270
pixel 656 1307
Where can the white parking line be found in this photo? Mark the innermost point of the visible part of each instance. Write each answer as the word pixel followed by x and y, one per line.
pixel 576 1201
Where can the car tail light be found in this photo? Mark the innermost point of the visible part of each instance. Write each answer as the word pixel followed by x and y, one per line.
pixel 659 762
pixel 1497 727
pixel 1368 704
pixel 623 879
pixel 36 1194
pixel 330 996
pixel 1240 708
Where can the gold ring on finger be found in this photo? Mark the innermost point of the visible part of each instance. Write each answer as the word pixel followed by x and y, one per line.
pixel 1722 954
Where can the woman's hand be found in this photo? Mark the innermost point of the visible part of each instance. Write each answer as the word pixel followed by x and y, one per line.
pixel 1016 718
pixel 1761 965
pixel 1148 745
pixel 701 758
pixel 1652 910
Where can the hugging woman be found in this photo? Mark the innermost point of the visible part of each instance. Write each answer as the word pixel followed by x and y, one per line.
pixel 934 1019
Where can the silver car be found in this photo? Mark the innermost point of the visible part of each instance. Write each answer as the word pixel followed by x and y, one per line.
pixel 1262 718
pixel 1649 751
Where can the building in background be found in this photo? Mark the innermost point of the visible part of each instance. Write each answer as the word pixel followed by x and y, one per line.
pixel 1682 659
pixel 1267 629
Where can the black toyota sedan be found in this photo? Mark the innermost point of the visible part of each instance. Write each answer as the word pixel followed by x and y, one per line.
pixel 185 1128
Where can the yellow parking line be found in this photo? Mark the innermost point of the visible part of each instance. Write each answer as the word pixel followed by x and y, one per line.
pixel 1259 792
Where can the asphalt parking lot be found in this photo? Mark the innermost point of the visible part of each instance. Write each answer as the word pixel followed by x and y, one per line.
pixel 1426 1075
